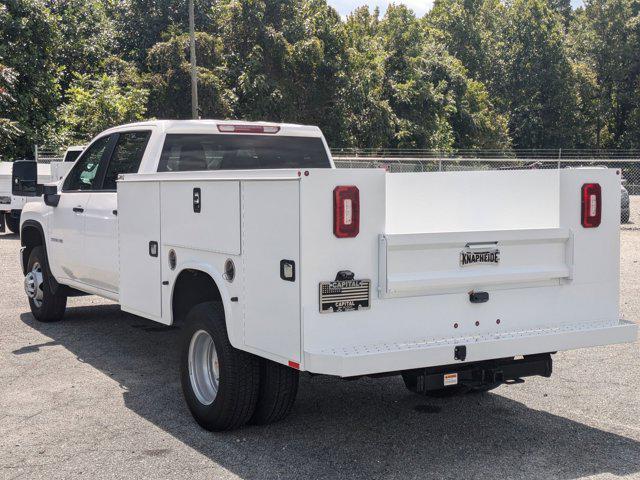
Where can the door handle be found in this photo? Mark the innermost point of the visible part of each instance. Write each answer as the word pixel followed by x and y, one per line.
pixel 78 209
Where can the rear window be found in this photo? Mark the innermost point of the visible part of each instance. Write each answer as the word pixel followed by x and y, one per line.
pixel 192 152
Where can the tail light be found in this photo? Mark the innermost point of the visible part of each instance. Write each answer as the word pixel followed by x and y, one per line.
pixel 591 205
pixel 346 211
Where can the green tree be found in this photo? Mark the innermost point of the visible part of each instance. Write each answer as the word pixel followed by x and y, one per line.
pixel 9 130
pixel 470 30
pixel 28 42
pixel 170 84
pixel 95 103
pixel 538 84
pixel 140 24
pixel 86 36
pixel 285 60
pixel 370 120
pixel 428 98
pixel 605 35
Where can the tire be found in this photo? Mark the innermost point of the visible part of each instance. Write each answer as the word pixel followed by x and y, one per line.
pixel 46 306
pixel 277 393
pixel 624 218
pixel 231 403
pixel 13 224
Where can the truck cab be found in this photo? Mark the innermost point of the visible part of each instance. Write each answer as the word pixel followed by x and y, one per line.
pixel 272 262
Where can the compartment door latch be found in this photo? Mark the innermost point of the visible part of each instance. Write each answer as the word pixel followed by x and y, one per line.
pixel 197 200
pixel 478 297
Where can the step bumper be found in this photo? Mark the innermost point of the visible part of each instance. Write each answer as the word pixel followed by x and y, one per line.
pixel 390 357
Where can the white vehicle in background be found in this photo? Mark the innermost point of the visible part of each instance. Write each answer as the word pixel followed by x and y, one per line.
pixel 60 169
pixel 272 262
pixel 11 205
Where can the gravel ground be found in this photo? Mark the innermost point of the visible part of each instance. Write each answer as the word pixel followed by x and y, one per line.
pixel 98 396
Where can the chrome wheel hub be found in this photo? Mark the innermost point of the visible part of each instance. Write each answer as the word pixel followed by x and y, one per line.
pixel 204 370
pixel 33 284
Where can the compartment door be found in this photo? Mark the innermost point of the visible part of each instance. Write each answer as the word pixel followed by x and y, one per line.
pixel 140 269
pixel 271 235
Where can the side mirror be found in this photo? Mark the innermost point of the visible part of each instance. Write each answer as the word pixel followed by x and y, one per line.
pixel 51 195
pixel 24 179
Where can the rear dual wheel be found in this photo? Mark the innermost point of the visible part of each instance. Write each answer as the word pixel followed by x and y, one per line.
pixel 224 387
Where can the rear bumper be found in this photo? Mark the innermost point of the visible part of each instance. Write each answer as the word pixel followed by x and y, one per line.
pixel 390 357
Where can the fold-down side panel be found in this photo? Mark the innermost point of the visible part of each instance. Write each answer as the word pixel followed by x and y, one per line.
pixel 450 262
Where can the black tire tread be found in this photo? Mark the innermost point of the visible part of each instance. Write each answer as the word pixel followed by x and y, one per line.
pixel 278 391
pixel 54 304
pixel 239 383
pixel 13 224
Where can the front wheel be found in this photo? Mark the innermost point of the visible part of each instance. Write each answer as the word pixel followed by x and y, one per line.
pixel 46 305
pixel 220 383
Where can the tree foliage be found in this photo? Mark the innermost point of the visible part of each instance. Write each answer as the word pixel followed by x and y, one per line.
pixel 469 74
pixel 96 103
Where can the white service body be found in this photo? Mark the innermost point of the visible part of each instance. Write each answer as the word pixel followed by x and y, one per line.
pixel 555 287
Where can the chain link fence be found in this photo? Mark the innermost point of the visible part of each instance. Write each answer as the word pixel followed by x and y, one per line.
pixel 48 155
pixel 627 161
pixel 428 161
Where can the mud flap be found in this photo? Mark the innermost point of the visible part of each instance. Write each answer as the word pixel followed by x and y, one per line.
pixel 2 228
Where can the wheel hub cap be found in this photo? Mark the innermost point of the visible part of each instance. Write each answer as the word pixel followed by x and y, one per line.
pixel 33 284
pixel 204 370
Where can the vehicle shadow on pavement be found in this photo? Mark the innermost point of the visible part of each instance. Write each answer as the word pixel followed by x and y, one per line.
pixel 367 428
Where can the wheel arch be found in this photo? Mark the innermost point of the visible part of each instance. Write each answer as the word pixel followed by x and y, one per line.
pixel 197 283
pixel 31 236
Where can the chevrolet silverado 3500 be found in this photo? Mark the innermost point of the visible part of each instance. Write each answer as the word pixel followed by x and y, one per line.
pixel 272 261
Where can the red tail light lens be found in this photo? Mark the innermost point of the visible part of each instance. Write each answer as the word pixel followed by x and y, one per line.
pixel 591 205
pixel 346 211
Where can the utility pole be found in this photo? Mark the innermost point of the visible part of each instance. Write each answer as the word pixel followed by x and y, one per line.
pixel 194 72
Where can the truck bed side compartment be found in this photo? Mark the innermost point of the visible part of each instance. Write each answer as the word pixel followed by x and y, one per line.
pixel 138 229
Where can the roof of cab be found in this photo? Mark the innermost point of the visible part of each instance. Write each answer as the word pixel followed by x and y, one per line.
pixel 210 126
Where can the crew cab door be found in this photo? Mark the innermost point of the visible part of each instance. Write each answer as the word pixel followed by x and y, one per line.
pixel 101 221
pixel 67 221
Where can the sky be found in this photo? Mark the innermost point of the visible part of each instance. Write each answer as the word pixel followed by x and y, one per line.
pixel 420 7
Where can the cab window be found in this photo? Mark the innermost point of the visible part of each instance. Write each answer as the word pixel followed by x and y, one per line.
pixel 193 152
pixel 83 175
pixel 126 156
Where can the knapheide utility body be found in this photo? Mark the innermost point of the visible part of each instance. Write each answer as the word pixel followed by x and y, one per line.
pixel 272 262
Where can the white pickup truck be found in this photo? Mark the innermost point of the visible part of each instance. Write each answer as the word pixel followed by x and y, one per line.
pixel 273 262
